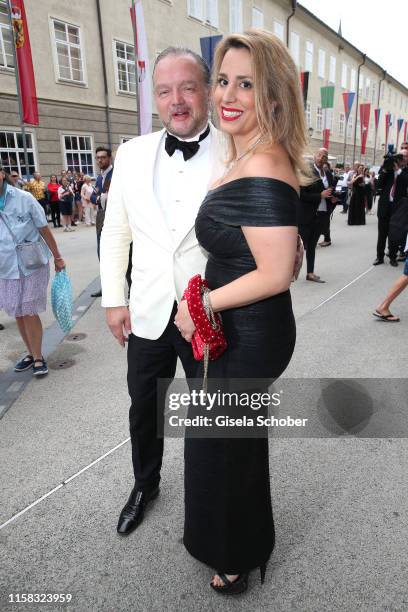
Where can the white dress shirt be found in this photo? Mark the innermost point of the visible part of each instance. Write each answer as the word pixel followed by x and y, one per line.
pixel 323 203
pixel 174 179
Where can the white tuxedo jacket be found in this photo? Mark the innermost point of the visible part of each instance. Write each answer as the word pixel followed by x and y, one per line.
pixel 161 269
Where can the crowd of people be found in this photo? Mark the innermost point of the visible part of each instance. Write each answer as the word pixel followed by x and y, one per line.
pixel 236 225
pixel 66 200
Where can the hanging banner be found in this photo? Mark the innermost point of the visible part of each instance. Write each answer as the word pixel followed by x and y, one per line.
pixel 25 63
pixel 348 99
pixel 327 96
pixel 399 126
pixel 326 138
pixel 364 122
pixel 377 113
pixel 208 44
pixel 327 103
pixel 144 81
pixel 304 83
pixel 388 124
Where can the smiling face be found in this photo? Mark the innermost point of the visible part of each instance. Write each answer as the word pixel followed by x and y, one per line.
pixel 234 95
pixel 181 95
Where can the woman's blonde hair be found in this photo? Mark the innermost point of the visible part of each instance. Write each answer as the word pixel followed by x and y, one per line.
pixel 87 177
pixel 278 97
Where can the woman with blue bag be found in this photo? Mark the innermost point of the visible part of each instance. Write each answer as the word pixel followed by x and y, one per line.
pixel 26 246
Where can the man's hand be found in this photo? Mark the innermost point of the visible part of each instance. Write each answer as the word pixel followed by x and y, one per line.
pixel 326 193
pixel 118 320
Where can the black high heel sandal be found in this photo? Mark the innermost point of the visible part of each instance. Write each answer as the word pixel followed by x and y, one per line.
pixel 237 586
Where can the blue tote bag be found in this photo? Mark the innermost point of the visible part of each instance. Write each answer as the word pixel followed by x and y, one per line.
pixel 61 300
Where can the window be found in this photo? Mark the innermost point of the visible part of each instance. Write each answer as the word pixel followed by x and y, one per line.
pixel 360 85
pixel 294 47
pixel 278 29
pixel 309 56
pixel 367 88
pixel 373 93
pixel 353 77
pixel 344 70
pixel 6 45
pixel 308 115
pixel 125 67
pixel 79 153
pixel 236 16
pixel 389 94
pixel 332 70
pixel 321 63
pixel 195 8
pixel 69 54
pixel 342 122
pixel 350 127
pixel 319 118
pixel 211 12
pixel 12 153
pixel 257 18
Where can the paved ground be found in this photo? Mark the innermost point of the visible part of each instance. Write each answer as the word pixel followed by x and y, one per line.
pixel 340 504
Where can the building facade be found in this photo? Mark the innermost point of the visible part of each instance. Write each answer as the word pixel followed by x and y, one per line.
pixel 83 56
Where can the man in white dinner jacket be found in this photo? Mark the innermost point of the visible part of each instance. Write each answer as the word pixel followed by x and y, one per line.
pixel 158 184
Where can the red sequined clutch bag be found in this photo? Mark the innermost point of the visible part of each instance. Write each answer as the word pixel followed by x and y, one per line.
pixel 208 341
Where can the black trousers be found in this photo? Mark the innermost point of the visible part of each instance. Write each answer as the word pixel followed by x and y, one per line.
pixel 310 235
pixel 383 228
pixel 323 221
pixel 149 360
pixel 55 214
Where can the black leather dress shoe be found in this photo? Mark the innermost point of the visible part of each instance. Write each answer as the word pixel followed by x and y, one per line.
pixel 393 263
pixel 133 513
pixel 97 293
pixel 378 261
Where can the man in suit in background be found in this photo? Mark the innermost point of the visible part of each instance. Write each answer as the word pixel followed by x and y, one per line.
pixel 314 210
pixel 100 194
pixel 393 186
pixel 174 168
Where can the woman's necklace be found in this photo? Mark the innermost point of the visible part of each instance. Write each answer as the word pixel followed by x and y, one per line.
pixel 251 148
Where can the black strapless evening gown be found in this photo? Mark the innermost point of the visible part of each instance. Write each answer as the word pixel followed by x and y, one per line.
pixel 228 514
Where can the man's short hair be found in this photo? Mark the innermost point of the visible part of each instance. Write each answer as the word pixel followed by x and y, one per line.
pixel 106 149
pixel 179 52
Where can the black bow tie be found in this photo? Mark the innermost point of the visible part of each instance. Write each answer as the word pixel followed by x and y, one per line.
pixel 189 149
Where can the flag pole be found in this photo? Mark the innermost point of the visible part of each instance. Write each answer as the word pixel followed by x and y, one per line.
pixel 345 138
pixel 139 129
pixel 20 106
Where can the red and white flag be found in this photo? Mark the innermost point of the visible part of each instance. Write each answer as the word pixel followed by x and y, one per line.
pixel 364 121
pixel 24 62
pixel 144 82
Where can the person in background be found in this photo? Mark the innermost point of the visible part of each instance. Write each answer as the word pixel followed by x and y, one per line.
pixel 66 200
pixel 368 191
pixel 312 224
pixel 383 310
pixel 16 180
pixel 330 206
pixel 342 188
pixel 89 208
pixel 52 189
pixel 38 189
pixel 23 292
pixel 100 195
pixel 78 209
pixel 357 208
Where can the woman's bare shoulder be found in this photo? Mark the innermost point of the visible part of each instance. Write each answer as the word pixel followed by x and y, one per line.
pixel 273 164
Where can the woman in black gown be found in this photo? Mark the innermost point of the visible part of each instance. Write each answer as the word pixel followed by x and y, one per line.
pixel 247 223
pixel 357 208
